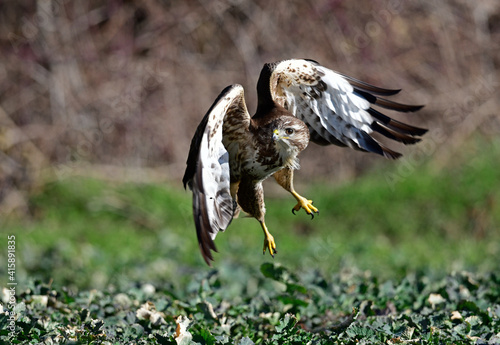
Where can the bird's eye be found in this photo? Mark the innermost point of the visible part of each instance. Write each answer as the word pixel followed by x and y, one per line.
pixel 289 131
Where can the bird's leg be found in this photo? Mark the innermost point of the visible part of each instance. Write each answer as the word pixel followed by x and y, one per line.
pixel 251 199
pixel 284 177
pixel 234 193
pixel 268 240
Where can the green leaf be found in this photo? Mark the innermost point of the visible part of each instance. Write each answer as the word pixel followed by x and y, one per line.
pixel 472 306
pixel 204 336
pixel 134 331
pixel 286 323
pixel 286 299
pixel 291 288
pixel 246 341
pixel 360 332
pixel 273 271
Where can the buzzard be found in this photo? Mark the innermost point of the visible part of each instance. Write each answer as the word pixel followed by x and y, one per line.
pixel 299 101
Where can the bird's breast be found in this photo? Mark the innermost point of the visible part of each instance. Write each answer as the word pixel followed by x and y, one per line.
pixel 256 163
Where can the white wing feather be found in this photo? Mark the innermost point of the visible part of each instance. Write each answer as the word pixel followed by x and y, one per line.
pixel 213 206
pixel 322 98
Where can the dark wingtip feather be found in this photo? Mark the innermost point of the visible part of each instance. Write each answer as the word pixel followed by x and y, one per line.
pixel 393 134
pixel 395 125
pixel 388 153
pixel 385 103
pixel 206 253
pixel 367 143
pixel 206 245
pixel 405 108
pixel 416 107
pixel 203 227
pixel 362 86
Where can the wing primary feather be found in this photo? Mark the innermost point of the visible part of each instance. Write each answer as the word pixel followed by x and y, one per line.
pixel 385 103
pixel 364 86
pixel 366 143
pixel 405 108
pixel 396 125
pixel 203 226
pixel 388 153
pixel 394 135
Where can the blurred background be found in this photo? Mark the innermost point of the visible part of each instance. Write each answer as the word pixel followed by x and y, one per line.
pixel 113 91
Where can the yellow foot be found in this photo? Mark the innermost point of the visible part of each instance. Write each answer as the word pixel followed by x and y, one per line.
pixel 268 241
pixel 307 205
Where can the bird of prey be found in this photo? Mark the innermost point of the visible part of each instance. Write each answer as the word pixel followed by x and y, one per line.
pixel 299 101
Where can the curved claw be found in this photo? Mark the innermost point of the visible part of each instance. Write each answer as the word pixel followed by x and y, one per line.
pixel 269 242
pixel 307 205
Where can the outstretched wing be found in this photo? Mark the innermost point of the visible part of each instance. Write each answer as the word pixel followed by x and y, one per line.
pixel 208 173
pixel 337 108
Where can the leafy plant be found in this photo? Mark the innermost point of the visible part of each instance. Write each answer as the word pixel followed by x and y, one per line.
pixel 468 312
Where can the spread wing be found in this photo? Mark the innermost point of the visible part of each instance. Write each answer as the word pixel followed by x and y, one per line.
pixel 208 172
pixel 337 108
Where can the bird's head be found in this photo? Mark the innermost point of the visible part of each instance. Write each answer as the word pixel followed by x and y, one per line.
pixel 290 135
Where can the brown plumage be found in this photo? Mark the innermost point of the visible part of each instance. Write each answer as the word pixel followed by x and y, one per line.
pixel 298 100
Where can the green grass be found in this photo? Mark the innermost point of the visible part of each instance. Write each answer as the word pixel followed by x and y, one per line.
pixel 429 221
pixel 87 235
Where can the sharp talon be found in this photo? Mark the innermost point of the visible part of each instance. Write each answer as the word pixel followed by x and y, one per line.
pixel 269 242
pixel 304 203
pixel 293 211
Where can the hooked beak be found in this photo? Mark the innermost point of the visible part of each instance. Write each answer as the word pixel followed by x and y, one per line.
pixel 276 135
